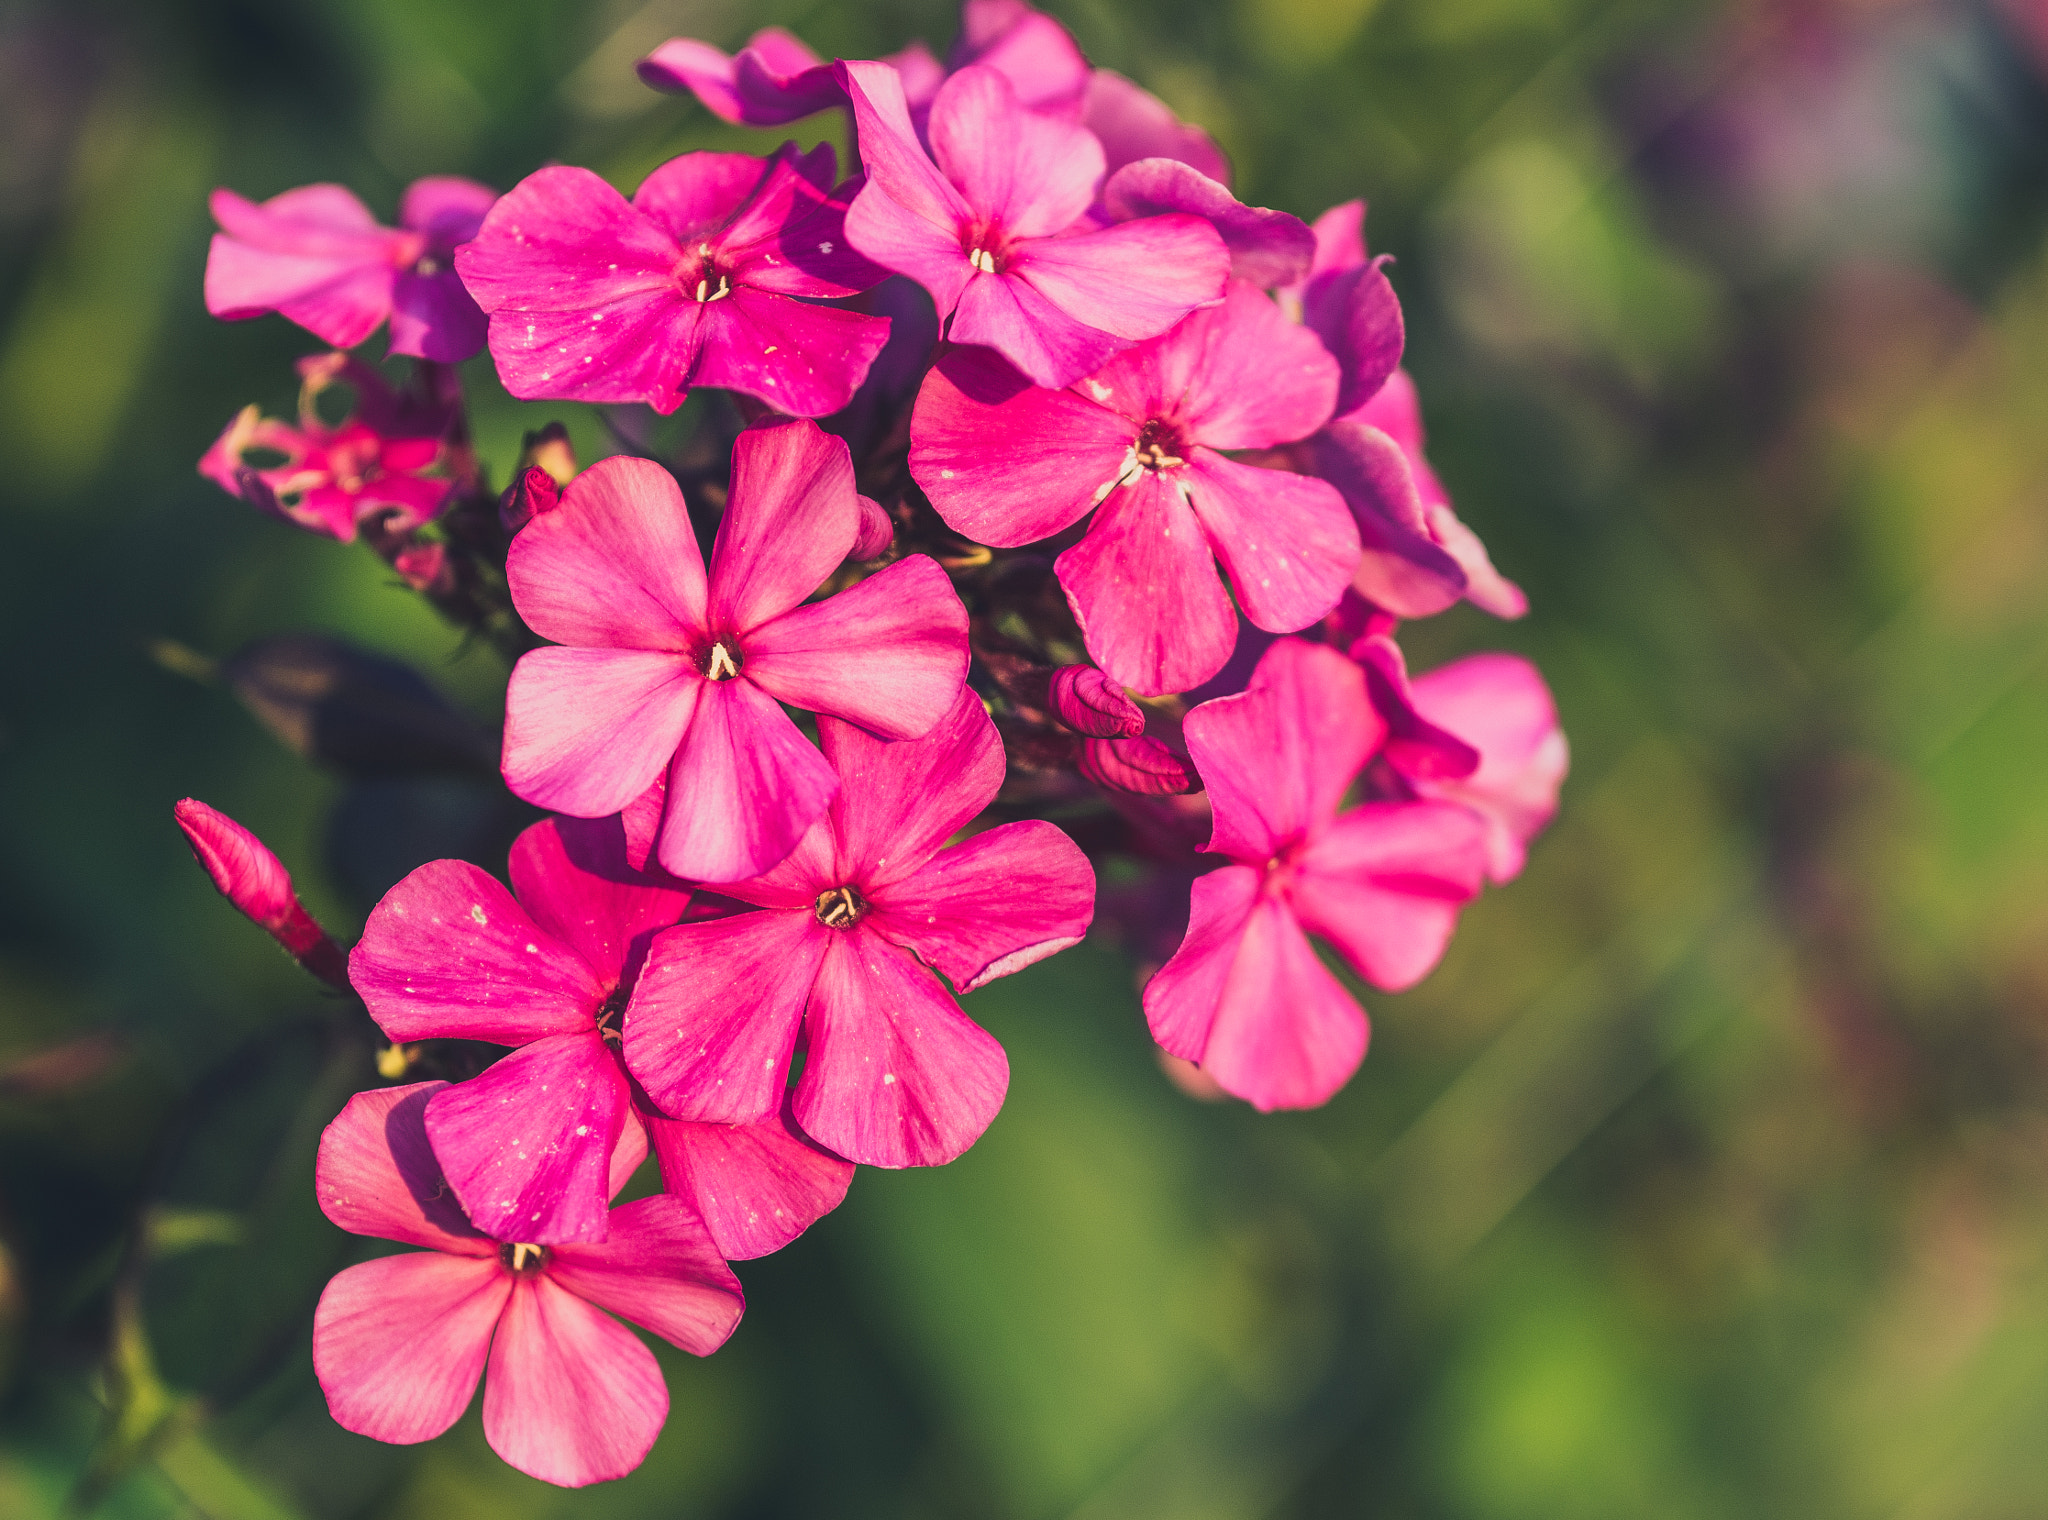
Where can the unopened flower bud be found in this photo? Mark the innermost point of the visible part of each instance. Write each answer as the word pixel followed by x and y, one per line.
pixel 421 565
pixel 877 531
pixel 1089 702
pixel 257 883
pixel 534 491
pixel 1135 764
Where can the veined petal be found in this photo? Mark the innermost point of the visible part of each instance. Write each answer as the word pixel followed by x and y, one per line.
pixel 564 240
pixel 1286 1033
pixel 1009 314
pixel 744 785
pixel 1267 247
pixel 899 801
pixel 802 359
pixel 790 237
pixel 694 195
pixel 661 1269
pixel 907 217
pixel 398 1343
pixel 571 874
pixel 1288 541
pixel 376 1174
pixel 1135 279
pixel 1243 376
pixel 1385 884
pixel 449 954
pixel 1182 997
pixel 790 519
pixel 758 1186
pixel 588 730
pixel 993 903
pixel 1028 173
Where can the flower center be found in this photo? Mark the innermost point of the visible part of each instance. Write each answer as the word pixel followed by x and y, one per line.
pixel 982 259
pixel 722 661
pixel 427 267
pixel 522 1259
pixel 841 908
pixel 612 1015
pixel 1159 446
pixel 712 285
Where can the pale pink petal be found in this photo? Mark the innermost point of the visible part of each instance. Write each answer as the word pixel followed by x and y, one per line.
pixel 696 194
pixel 315 219
pixel 1132 123
pixel 398 1343
pixel 899 801
pixel 992 904
pixel 661 1269
pixel 1007 462
pixel 1135 279
pixel 447 207
pixel 908 217
pixel 889 653
pixel 1288 541
pixel 1500 704
pixel 714 1016
pixel 1286 1033
pixel 449 954
pixel 1400 566
pixel 1143 586
pixel 896 1074
pixel 802 359
pixel 527 1145
pixel 1278 757
pixel 588 730
pixel 1009 314
pixel 1025 46
pixel 1182 997
pixel 572 875
pixel 1025 173
pixel 1485 587
pixel 758 1186
pixel 790 520
pixel 1267 247
pixel 572 1396
pixel 376 1174
pixel 744 785
pixel 1385 884
pixel 1240 375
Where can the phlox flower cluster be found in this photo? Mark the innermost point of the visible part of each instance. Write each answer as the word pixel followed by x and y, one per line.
pixel 1056 497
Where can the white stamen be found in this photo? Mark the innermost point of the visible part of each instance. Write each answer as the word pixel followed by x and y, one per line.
pixel 983 260
pixel 722 666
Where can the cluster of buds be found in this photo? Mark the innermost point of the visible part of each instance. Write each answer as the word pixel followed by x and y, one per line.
pixel 1041 479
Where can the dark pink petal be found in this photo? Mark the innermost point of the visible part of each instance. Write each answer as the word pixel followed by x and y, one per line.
pixel 877 532
pixel 744 785
pixel 791 236
pixel 1238 375
pixel 714 1016
pixel 1396 410
pixel 790 520
pixel 774 79
pixel 616 564
pixel 641 821
pixel 1358 316
pixel 1278 757
pixel 434 317
pixel 661 1269
pixel 1135 279
pixel 1027 47
pixel 1182 997
pixel 1007 462
pixel 1415 746
pixel 256 882
pixel 398 1343
pixel 683 65
pixel 1026 173
pixel 889 653
pixel 1385 884
pixel 1144 589
pixel 1401 567
pixel 634 345
pixel 1012 316
pixel 1288 541
pixel 1088 702
pixel 447 207
pixel 573 876
pixel 1267 248
pixel 527 1145
pixel 907 217
pixel 1485 587
pixel 376 1174
pixel 896 1074
pixel 1500 704
pixel 992 904
pixel 1286 1034
pixel 696 194
pixel 758 1186
pixel 628 1153
pixel 804 360
pixel 588 730
pixel 899 801
pixel 449 954
pixel 1132 123
pixel 1139 765
pixel 572 1397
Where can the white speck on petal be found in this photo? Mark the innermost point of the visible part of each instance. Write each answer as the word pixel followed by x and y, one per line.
pixel 476 911
pixel 888 1077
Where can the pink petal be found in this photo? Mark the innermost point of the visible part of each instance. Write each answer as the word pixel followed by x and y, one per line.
pixel 573 1397
pixel 1240 375
pixel 325 220
pixel 1144 589
pixel 339 300
pixel 448 954
pixel 1485 587
pixel 696 194
pixel 398 1343
pixel 1267 248
pixel 1132 123
pixel 908 217
pixel 1340 238
pixel 804 360
pixel 1278 757
pixel 1025 173
pixel 588 730
pixel 790 520
pixel 744 785
pixel 1007 462
pixel 447 207
pixel 1358 316
pixel 775 79
pixel 1499 703
pixel 245 872
pixel 896 1075
pixel 572 875
pixel 1400 567
pixel 1396 410
pixel 889 653
pixel 377 1175
pixel 1136 764
pixel 992 904
pixel 1028 48
pixel 714 1016
pixel 527 1145
pixel 1135 279
pixel 758 1186
pixel 660 1269
pixel 898 802
pixel 1415 746
pixel 1182 997
pixel 1385 884
pixel 616 563
pixel 1009 314
pixel 1288 541
pixel 629 1152
pixel 1088 702
pixel 1286 1033
pixel 790 238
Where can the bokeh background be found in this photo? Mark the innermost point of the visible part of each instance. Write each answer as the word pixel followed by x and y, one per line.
pixel 1709 1175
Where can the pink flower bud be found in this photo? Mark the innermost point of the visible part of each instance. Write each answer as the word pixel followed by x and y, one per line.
pixel 877 531
pixel 256 882
pixel 1136 764
pixel 533 493
pixel 421 565
pixel 1089 702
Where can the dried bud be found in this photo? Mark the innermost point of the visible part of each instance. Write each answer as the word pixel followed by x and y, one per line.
pixel 256 882
pixel 421 565
pixel 534 491
pixel 877 531
pixel 1089 702
pixel 1136 764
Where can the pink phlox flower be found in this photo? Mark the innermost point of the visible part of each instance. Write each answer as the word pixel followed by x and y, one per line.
pixel 1245 996
pixel 317 256
pixel 661 671
pixel 773 80
pixel 1414 746
pixel 331 477
pixel 248 875
pixel 853 926
pixel 1499 705
pixel 710 275
pixel 994 224
pixel 548 968
pixel 570 1395
pixel 1267 247
pixel 1030 49
pixel 1139 443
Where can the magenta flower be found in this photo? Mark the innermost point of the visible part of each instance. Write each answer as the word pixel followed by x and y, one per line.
pixel 570 1396
pixel 1139 443
pixel 242 867
pixel 895 1074
pixel 773 80
pixel 317 256
pixel 1245 996
pixel 332 479
pixel 997 229
pixel 664 670
pixel 708 276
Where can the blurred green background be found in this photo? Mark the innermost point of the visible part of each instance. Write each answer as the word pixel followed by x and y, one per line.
pixel 1709 1175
